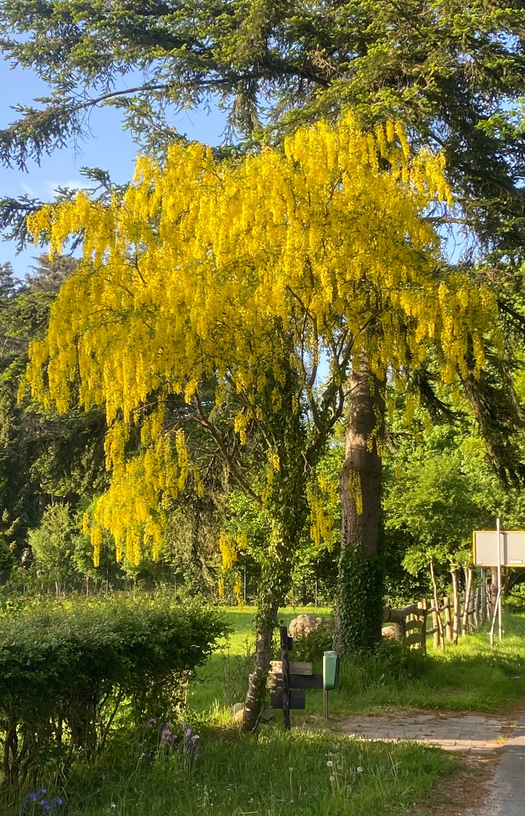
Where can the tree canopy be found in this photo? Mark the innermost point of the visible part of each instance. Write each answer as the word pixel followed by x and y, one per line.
pixel 453 71
pixel 245 272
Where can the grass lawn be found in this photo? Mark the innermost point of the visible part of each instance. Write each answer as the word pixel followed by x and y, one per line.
pixel 313 770
pixel 274 774
pixel 466 677
pixel 224 679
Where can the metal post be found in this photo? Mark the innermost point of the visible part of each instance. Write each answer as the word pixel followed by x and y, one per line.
pixel 285 663
pixel 244 584
pixel 500 631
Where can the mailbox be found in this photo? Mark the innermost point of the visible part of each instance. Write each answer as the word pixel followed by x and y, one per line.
pixel 330 670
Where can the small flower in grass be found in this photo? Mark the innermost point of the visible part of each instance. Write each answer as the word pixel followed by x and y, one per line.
pixel 167 736
pixel 36 803
pixel 188 748
pixel 359 769
pixel 329 764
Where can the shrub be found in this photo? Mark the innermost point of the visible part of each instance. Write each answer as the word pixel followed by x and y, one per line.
pixel 66 669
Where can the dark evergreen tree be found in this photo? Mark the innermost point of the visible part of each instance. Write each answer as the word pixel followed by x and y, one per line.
pixel 40 455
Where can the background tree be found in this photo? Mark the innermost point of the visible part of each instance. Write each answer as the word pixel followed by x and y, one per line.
pixel 41 454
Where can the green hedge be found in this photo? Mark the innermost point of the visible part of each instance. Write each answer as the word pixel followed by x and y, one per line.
pixel 67 670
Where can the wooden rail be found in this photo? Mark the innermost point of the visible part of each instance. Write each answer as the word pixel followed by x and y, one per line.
pixel 453 617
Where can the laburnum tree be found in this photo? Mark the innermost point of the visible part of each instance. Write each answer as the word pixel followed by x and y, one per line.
pixel 206 299
pixel 451 70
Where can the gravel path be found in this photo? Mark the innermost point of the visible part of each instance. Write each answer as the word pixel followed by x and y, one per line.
pixel 469 732
pixel 476 734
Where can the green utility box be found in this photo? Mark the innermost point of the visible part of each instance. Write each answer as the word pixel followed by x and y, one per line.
pixel 330 670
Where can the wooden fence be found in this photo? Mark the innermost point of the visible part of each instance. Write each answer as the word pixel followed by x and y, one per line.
pixel 451 618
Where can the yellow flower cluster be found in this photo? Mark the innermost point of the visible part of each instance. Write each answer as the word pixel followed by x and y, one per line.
pixel 228 551
pixel 322 500
pixel 230 557
pixel 188 275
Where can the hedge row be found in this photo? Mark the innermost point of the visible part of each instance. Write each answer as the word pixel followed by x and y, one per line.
pixel 66 670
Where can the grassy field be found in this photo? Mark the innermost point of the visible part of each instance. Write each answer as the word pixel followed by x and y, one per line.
pixel 312 771
pixel 466 677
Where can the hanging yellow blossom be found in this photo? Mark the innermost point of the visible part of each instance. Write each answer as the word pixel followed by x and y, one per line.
pixel 203 266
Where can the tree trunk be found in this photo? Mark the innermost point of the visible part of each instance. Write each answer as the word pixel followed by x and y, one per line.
pixel 360 571
pixel 263 654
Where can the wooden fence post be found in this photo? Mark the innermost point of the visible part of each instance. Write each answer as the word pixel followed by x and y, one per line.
pixel 455 593
pixel 466 603
pixel 478 607
pixel 448 618
pixel 423 617
pixel 435 625
pixel 400 630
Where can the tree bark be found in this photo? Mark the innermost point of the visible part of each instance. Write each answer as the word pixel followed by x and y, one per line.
pixel 360 573
pixel 263 654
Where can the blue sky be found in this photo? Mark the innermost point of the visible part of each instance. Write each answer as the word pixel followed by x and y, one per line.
pixel 108 147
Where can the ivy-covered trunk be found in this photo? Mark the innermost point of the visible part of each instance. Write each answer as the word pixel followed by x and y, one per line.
pixel 288 521
pixel 286 508
pixel 275 582
pixel 266 623
pixel 360 569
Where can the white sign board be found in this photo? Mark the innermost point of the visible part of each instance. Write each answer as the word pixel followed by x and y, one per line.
pixel 511 548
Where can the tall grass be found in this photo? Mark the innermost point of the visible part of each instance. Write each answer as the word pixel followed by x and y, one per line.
pixel 276 774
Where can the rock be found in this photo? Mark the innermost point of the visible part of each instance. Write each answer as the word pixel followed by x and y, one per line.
pixel 237 712
pixel 267 714
pixel 389 632
pixel 305 625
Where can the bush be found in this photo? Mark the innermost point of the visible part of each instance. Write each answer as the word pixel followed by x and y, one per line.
pixel 515 600
pixel 66 669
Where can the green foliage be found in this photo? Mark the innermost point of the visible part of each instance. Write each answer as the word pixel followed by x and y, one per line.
pixel 53 543
pixel 65 670
pixel 437 490
pixel 39 454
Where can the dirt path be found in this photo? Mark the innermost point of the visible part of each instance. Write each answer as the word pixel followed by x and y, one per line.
pixel 479 733
pixel 492 778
